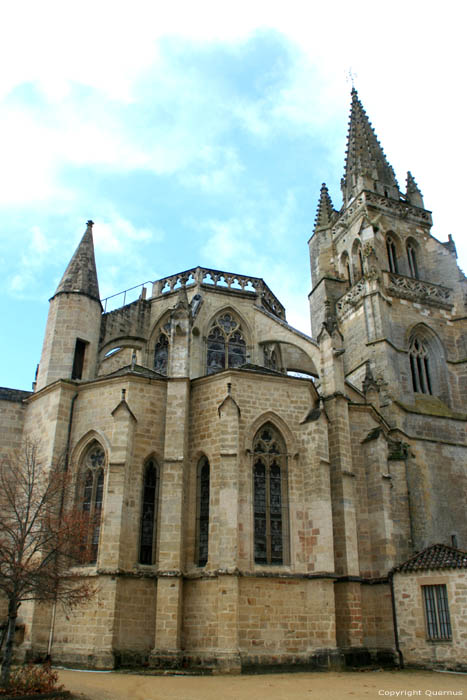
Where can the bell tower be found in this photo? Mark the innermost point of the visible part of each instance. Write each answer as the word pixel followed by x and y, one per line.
pixel 73 324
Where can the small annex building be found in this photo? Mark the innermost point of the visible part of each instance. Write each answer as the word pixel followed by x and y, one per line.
pixel 251 488
pixel 430 594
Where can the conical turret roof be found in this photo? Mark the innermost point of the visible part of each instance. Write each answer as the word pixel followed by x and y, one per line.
pixel 325 211
pixel 365 163
pixel 80 277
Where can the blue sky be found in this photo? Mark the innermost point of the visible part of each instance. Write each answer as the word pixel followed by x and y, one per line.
pixel 201 133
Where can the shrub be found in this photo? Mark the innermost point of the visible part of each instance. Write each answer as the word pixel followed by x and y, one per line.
pixel 32 679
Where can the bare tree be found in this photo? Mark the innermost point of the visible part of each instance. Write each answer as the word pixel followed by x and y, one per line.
pixel 41 537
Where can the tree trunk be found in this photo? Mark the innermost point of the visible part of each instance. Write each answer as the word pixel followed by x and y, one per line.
pixel 6 665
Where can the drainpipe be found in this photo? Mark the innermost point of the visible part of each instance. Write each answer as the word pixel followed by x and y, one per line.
pixel 65 469
pixel 394 619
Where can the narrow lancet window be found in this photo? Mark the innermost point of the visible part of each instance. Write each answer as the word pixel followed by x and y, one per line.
pixel 202 525
pixel 149 513
pixel 420 366
pixel 161 354
pixel 412 259
pixel 392 255
pixel 270 510
pixel 92 498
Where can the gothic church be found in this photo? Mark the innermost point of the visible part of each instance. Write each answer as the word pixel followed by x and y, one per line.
pixel 256 494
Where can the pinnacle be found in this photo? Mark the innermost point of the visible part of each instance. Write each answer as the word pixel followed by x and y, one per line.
pixel 81 276
pixel 365 160
pixel 413 193
pixel 325 211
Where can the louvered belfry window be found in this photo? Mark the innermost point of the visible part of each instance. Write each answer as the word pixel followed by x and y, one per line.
pixel 270 497
pixel 420 366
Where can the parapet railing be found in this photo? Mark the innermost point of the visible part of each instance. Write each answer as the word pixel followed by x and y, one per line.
pixel 417 290
pixel 206 277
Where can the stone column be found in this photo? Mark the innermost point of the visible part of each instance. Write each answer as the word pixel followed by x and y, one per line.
pixel 172 512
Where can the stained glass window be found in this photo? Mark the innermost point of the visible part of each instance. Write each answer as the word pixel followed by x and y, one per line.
pixel 202 534
pixel 226 345
pixel 91 501
pixel 270 497
pixel 161 354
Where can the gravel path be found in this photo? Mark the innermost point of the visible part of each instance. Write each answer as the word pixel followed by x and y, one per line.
pixel 310 686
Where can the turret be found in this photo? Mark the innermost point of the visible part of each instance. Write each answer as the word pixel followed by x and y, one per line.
pixel 73 324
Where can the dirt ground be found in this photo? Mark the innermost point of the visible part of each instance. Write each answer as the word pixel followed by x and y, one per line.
pixel 311 686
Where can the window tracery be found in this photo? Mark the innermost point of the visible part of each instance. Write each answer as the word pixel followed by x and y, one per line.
pixel 149 513
pixel 269 496
pixel 226 346
pixel 91 500
pixel 420 366
pixel 161 351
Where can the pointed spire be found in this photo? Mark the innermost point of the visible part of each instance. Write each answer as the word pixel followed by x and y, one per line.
pixel 366 166
pixel 413 194
pixel 81 275
pixel 325 211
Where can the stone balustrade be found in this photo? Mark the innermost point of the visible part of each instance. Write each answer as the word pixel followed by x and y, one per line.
pixel 417 290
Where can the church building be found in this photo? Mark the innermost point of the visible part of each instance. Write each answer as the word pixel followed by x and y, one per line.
pixel 258 497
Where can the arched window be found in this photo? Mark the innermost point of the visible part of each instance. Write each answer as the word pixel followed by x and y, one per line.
pixel 420 366
pixel 412 260
pixel 345 267
pixel 392 254
pixel 271 356
pixel 202 512
pixel 226 345
pixel 270 497
pixel 147 542
pixel 161 351
pixel 91 500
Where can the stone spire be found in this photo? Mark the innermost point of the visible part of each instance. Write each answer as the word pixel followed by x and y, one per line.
pixel 325 211
pixel 81 276
pixel 413 194
pixel 366 166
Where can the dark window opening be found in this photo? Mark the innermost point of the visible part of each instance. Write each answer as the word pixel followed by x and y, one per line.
pixel 148 514
pixel 202 525
pixel 78 359
pixel 438 623
pixel 412 258
pixel 419 367
pixel 392 255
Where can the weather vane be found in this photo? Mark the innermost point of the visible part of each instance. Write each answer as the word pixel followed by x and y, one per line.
pixel 351 76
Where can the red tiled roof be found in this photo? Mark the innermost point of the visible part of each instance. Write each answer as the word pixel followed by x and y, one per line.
pixel 437 556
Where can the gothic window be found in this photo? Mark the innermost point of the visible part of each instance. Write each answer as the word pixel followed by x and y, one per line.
pixel 202 512
pixel 226 345
pixel 412 259
pixel 392 255
pixel 345 267
pixel 161 351
pixel 91 500
pixel 420 366
pixel 270 497
pixel 149 513
pixel 271 359
pixel 438 623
